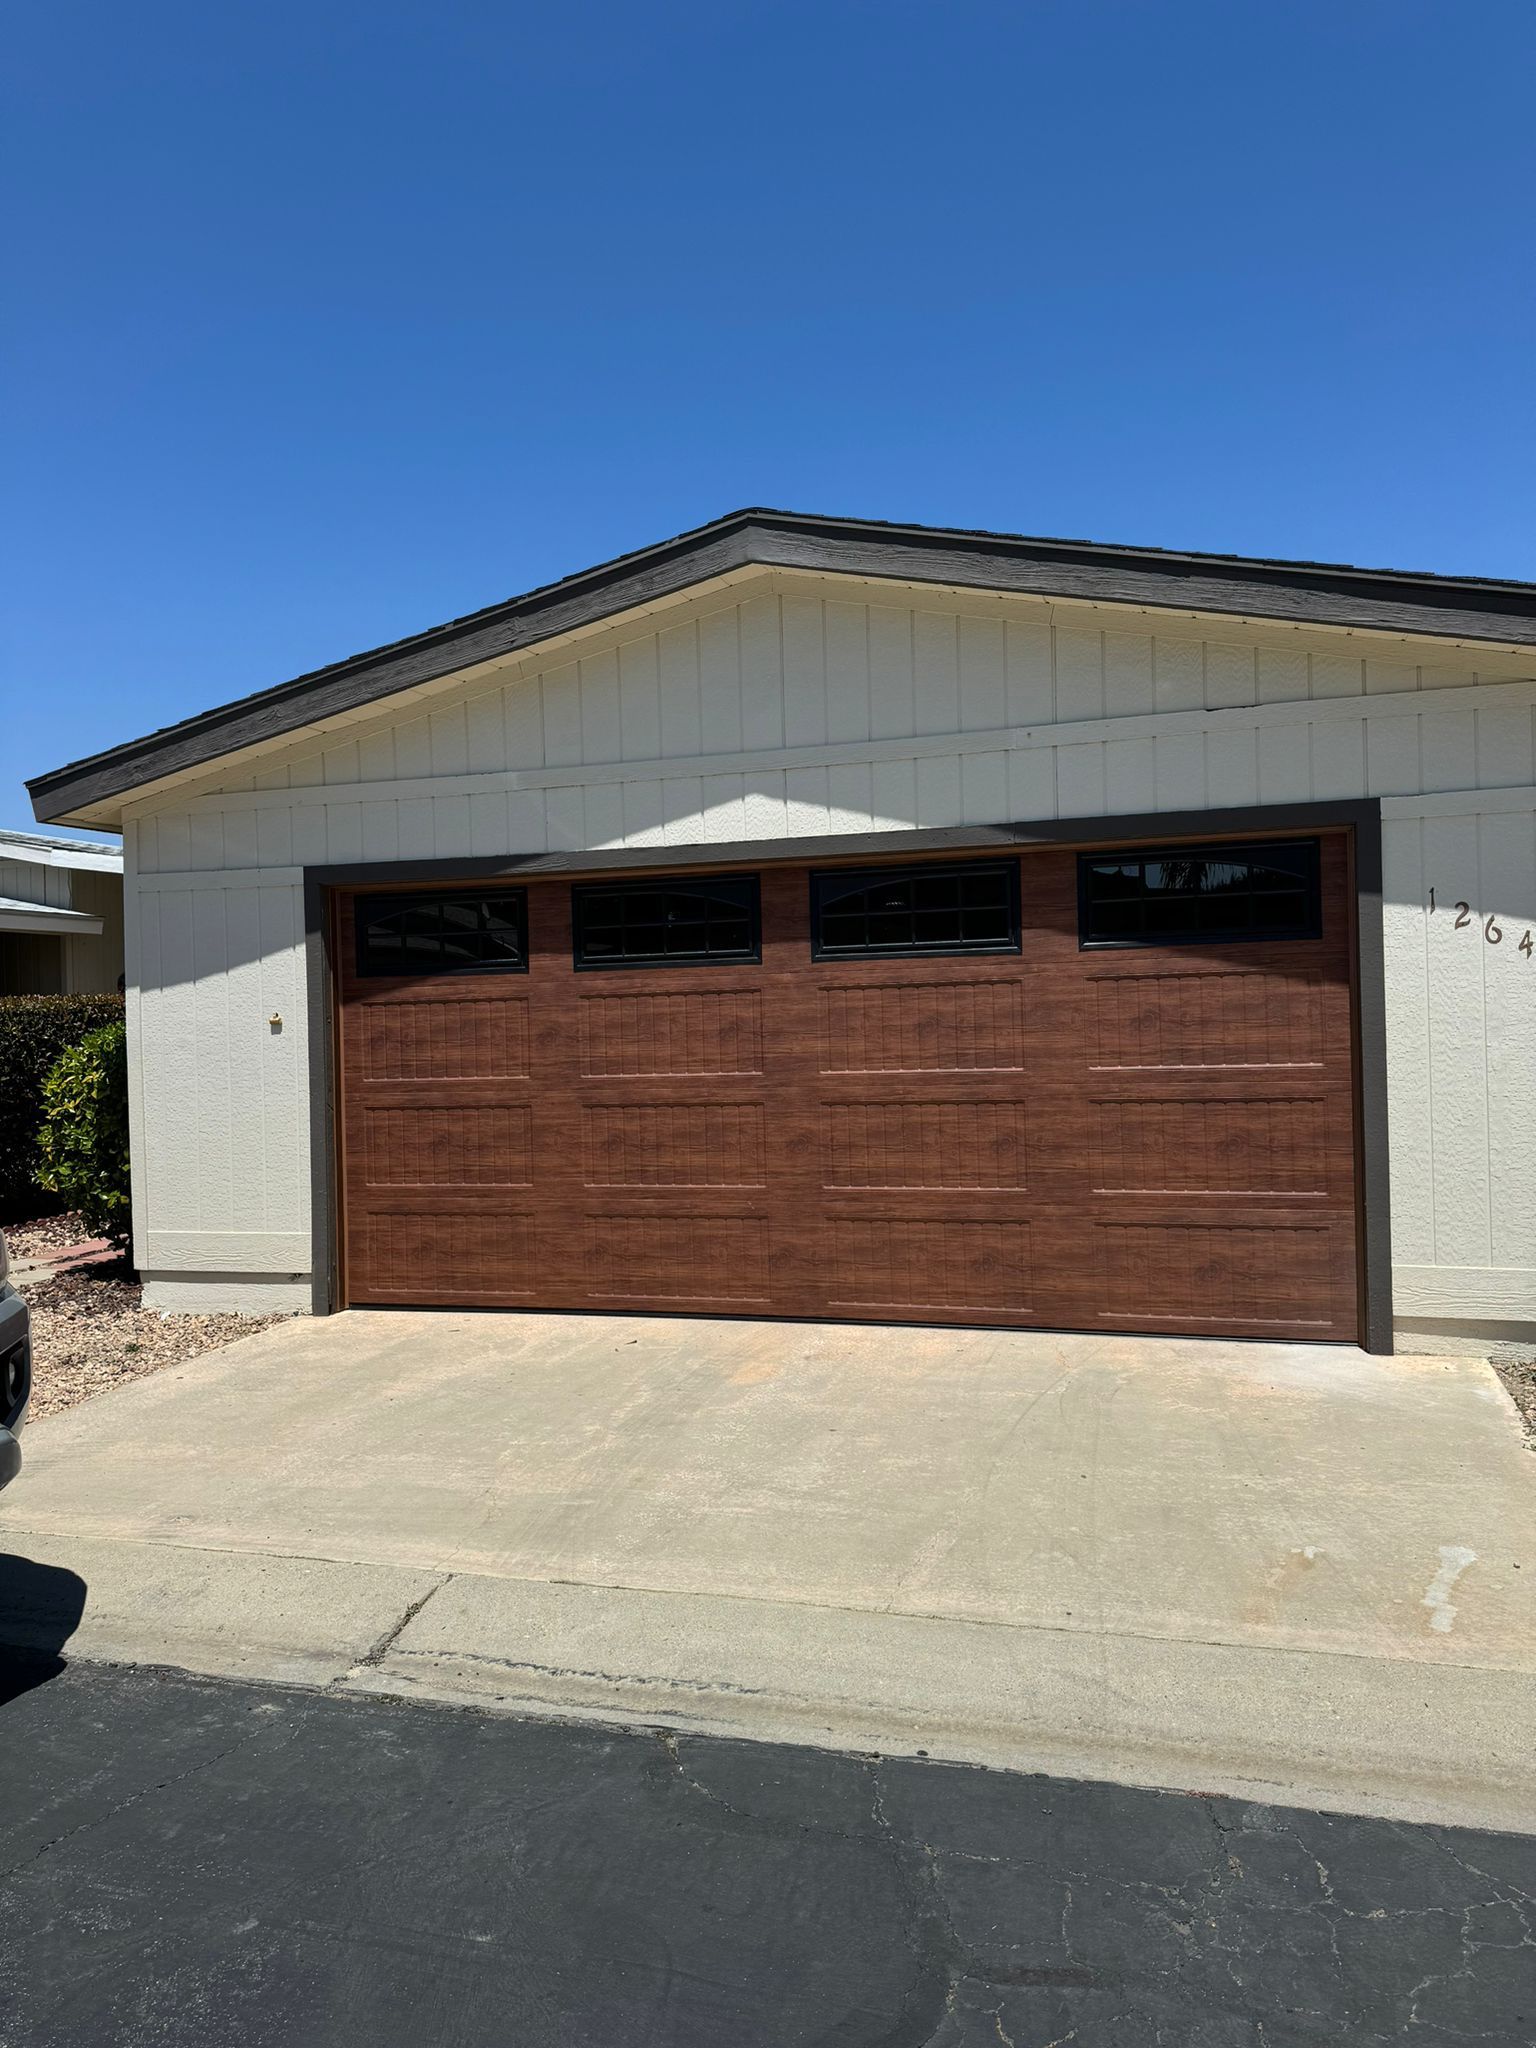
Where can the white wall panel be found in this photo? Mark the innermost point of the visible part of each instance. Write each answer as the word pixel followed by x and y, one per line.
pixel 1337 675
pixel 528 821
pixel 938 790
pixel 814 709
pixel 601 709
pixel 485 730
pixel 682 729
pixel 565 818
pixel 343 833
pixel 1032 782
pixel 682 810
pixel 1079 673
pixel 725 808
pixel 1130 776
pixel 807 805
pixel 761 652
pixel 561 701
pixel 1179 772
pixel 1504 746
pixel 1459 1093
pixel 450 741
pixel 413 748
pixel 342 762
pixel 452 835
pixel 524 740
pixel 603 814
pixel 983 656
pixel 1409 1067
pixel 1080 781
pixel 1231 769
pixel 717 654
pixel 222 1094
pixel 1031 674
pixel 851 797
pixel 936 671
pixel 1284 763
pixel 1179 673
pixel 1507 895
pixel 846 653
pixel 1230 674
pixel 1282 674
pixel 643 819
pixel 1338 764
pixel 983 789
pixel 893 795
pixel 804 682
pixel 1448 749
pixel 415 834
pixel 1129 681
pixel 1392 756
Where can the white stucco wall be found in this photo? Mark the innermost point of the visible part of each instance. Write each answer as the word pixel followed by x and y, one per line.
pixel 805 705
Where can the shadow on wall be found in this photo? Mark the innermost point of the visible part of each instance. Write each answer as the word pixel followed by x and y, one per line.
pixel 40 1609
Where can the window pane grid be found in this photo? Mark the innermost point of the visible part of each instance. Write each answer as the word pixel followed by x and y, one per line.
pixel 949 909
pixel 1197 894
pixel 442 934
pixel 633 925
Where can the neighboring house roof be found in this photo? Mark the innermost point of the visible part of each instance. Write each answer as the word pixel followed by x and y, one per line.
pixel 1299 593
pixel 40 849
pixel 16 916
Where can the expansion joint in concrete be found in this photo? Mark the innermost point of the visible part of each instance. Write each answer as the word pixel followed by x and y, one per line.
pixel 392 1634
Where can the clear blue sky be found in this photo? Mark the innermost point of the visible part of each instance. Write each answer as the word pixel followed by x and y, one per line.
pixel 328 322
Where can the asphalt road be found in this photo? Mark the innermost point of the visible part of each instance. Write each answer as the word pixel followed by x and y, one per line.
pixel 192 1862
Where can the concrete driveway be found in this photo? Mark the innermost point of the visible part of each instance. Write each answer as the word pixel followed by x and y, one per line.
pixel 1282 1570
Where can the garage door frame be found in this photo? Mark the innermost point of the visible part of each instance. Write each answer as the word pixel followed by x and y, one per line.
pixel 1362 818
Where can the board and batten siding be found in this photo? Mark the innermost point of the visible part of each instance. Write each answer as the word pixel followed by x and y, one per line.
pixel 803 710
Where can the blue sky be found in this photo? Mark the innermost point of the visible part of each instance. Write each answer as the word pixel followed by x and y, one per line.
pixel 328 322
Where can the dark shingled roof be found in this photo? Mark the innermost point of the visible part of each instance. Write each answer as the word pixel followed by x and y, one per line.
pixel 1469 608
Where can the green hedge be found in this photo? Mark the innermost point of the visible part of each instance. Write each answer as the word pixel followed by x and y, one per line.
pixel 34 1030
pixel 84 1139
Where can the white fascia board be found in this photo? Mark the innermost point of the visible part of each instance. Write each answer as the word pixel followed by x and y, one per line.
pixel 39 917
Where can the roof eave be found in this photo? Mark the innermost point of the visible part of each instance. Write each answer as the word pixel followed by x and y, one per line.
pixel 46 917
pixel 89 792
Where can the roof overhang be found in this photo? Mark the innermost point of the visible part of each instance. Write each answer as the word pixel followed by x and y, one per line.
pixel 41 917
pixel 26 849
pixel 1393 602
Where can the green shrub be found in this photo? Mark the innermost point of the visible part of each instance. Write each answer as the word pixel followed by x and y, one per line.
pixel 84 1138
pixel 34 1030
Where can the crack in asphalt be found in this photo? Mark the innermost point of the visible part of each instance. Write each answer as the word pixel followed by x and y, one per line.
pixel 94 1822
pixel 1206 1914
pixel 1048 1915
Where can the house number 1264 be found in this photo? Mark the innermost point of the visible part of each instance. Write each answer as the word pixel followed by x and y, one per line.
pixel 1493 931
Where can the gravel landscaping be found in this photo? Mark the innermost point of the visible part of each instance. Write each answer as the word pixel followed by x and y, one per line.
pixel 89 1331
pixel 1519 1377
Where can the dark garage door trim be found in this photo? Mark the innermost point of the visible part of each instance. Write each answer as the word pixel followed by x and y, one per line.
pixel 1362 816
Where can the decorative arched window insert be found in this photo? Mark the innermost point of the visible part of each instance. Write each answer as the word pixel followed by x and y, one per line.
pixel 947 907
pixel 705 921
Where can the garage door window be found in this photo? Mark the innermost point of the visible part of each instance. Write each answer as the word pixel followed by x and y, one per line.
pixel 462 932
pixel 947 908
pixel 650 924
pixel 1199 895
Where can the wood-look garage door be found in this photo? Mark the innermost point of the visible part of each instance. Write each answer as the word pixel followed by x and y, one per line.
pixel 878 1092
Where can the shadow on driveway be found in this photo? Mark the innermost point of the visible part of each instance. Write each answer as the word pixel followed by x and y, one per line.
pixel 40 1609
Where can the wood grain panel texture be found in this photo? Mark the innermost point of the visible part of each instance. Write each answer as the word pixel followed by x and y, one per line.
pixel 666 1144
pixel 1151 1139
